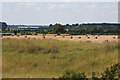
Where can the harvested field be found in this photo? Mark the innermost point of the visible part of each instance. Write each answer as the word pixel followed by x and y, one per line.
pixel 84 38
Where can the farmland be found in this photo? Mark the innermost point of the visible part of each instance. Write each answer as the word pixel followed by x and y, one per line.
pixel 66 37
pixel 49 57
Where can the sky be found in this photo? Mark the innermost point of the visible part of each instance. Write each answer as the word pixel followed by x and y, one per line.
pixel 59 0
pixel 45 13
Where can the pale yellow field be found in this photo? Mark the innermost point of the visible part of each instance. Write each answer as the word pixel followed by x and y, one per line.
pixel 84 38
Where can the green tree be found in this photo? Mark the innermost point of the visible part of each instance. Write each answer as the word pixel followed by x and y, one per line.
pixel 58 29
pixel 15 32
pixel 3 26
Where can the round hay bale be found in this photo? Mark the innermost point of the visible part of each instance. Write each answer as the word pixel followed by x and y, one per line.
pixel 114 37
pixel 43 36
pixel 63 36
pixel 25 36
pixel 71 37
pixel 12 35
pixel 79 37
pixel 88 37
pixel 96 37
pixel 18 35
pixel 106 41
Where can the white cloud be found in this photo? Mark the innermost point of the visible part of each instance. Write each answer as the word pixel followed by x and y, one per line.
pixel 45 13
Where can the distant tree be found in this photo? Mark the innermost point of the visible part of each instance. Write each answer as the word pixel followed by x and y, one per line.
pixel 67 25
pixel 3 26
pixel 15 32
pixel 76 24
pixel 50 25
pixel 58 29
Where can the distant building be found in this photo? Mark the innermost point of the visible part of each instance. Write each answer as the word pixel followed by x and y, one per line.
pixel 27 27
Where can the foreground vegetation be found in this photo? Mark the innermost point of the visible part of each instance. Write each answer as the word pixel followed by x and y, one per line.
pixel 112 73
pixel 51 58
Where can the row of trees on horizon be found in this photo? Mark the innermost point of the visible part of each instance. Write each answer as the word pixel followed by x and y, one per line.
pixel 74 29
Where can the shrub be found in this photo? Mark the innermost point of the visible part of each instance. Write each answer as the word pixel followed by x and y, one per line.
pixel 113 72
pixel 109 74
pixel 94 77
pixel 72 75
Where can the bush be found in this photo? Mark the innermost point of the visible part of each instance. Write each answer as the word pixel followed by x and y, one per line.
pixel 113 72
pixel 72 75
pixel 28 33
pixel 109 74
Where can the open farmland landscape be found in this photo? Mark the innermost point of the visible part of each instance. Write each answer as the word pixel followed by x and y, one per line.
pixel 60 41
pixel 59 54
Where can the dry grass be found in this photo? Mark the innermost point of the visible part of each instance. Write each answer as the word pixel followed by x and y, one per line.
pixel 50 58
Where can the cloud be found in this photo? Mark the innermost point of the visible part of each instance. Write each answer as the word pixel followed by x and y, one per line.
pixel 45 13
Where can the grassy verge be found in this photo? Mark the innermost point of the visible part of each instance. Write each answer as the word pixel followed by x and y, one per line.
pixel 50 58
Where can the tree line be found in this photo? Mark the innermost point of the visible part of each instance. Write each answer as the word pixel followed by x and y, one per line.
pixel 73 29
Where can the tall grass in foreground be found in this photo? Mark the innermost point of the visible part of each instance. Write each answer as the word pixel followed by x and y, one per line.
pixel 50 58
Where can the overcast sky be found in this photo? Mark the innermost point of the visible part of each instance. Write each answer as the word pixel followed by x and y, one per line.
pixel 45 13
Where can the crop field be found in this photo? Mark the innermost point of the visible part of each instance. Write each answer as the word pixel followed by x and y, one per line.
pixel 49 57
pixel 83 38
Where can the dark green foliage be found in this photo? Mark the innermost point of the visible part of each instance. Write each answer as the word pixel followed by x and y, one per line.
pixel 3 26
pixel 35 33
pixel 15 32
pixel 109 74
pixel 94 77
pixel 6 34
pixel 72 75
pixel 75 29
pixel 113 72
pixel 28 33
pixel 58 28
